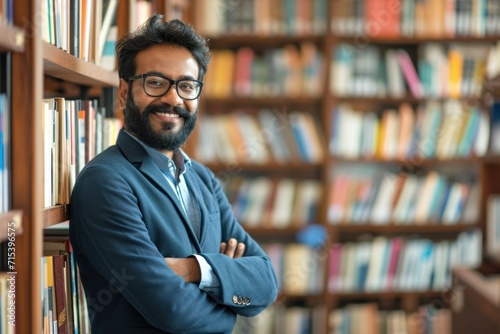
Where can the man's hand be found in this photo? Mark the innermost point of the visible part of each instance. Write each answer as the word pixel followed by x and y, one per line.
pixel 233 248
pixel 188 268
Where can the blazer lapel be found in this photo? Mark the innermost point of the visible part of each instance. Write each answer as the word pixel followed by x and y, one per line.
pixel 137 156
pixel 200 198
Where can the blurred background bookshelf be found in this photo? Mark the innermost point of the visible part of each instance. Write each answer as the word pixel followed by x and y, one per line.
pixel 375 118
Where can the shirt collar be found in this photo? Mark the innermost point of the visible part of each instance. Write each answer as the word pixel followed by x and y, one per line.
pixel 178 165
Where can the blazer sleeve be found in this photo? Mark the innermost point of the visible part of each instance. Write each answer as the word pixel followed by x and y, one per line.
pixel 107 228
pixel 248 284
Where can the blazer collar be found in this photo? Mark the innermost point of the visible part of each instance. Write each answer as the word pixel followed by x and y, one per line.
pixel 138 156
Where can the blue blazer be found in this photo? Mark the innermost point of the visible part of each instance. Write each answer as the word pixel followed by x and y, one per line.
pixel 125 219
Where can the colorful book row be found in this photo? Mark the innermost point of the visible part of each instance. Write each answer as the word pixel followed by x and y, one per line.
pixel 383 198
pixel 259 137
pixel 74 131
pixel 299 268
pixel 81 28
pixel 441 71
pixel 282 319
pixel 271 203
pixel 369 318
pixel 407 18
pixel 262 17
pixel 292 70
pixel 63 296
pixel 401 264
pixel 431 130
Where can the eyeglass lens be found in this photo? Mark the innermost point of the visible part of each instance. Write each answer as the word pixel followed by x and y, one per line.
pixel 157 86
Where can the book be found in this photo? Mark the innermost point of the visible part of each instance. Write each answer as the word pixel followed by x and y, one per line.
pixel 61 314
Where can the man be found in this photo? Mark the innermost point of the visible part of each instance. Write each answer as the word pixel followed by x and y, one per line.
pixel 158 248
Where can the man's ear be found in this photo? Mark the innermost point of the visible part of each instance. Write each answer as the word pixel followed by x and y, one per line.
pixel 122 93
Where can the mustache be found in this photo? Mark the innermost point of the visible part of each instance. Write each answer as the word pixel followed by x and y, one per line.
pixel 153 109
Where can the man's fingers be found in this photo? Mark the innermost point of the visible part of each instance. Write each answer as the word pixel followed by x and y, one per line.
pixel 231 247
pixel 240 249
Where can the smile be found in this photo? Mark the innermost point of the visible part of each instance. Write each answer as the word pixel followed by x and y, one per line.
pixel 167 114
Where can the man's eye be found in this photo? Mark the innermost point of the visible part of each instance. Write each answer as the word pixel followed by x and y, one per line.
pixel 186 86
pixel 155 83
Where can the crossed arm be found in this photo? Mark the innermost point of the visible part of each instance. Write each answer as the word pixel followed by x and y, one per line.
pixel 189 269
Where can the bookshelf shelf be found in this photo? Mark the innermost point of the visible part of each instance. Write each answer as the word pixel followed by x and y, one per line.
pixel 308 300
pixel 60 64
pixel 389 295
pixel 387 100
pixel 409 41
pixel 55 215
pixel 10 221
pixel 12 38
pixel 261 41
pixel 291 167
pixel 260 233
pixel 415 162
pixel 402 229
pixel 278 103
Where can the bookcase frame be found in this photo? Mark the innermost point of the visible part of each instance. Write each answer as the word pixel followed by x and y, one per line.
pixel 32 59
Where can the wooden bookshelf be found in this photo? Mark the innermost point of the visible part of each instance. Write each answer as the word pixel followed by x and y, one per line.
pixel 55 215
pixel 261 41
pixel 484 170
pixel 475 302
pixel 32 62
pixel 60 64
pixel 392 228
pixel 13 38
pixel 278 103
pixel 415 40
pixel 10 222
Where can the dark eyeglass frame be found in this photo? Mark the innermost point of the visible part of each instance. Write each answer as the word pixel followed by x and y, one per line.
pixel 174 83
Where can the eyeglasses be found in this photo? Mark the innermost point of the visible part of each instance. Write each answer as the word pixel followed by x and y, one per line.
pixel 155 86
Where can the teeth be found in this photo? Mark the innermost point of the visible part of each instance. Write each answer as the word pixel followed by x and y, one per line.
pixel 168 115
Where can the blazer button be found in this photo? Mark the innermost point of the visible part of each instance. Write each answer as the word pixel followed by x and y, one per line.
pixel 235 299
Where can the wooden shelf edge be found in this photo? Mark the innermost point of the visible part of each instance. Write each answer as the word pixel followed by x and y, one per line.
pixel 60 64
pixel 10 221
pixel 385 295
pixel 391 228
pixel 488 290
pixel 57 232
pixel 411 40
pixel 233 167
pixel 280 102
pixel 12 38
pixel 261 40
pixel 55 215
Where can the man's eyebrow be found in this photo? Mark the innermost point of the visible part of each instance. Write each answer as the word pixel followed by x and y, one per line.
pixel 159 74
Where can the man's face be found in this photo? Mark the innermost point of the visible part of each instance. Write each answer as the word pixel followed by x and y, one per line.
pixel 164 122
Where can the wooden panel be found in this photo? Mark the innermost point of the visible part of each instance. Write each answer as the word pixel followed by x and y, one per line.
pixel 475 303
pixel 27 148
pixel 55 215
pixel 60 64
pixel 10 222
pixel 12 38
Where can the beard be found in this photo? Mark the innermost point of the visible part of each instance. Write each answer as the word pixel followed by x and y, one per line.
pixel 138 123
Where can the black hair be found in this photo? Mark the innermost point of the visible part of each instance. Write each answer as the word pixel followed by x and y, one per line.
pixel 157 31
